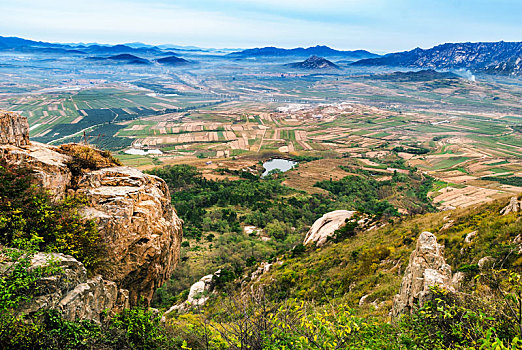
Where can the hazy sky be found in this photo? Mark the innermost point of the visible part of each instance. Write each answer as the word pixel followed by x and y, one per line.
pixel 378 25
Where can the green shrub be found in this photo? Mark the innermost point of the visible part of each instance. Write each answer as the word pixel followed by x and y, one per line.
pixel 28 212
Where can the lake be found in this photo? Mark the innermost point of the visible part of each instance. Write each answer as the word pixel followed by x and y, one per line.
pixel 280 164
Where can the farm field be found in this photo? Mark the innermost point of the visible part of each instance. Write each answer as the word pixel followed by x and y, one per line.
pixel 466 134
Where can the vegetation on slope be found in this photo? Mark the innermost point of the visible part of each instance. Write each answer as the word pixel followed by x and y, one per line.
pixel 215 213
pixel 308 300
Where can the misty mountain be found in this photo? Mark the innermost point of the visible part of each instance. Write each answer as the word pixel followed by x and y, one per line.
pixel 172 61
pixel 496 57
pixel 314 62
pixel 322 51
pixel 122 58
pixel 14 44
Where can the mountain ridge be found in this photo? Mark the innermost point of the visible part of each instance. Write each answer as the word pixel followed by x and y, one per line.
pixel 319 50
pixel 478 57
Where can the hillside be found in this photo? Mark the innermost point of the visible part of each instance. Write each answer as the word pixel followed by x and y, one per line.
pixel 107 237
pixel 474 56
pixel 314 62
pixel 172 61
pixel 122 58
pixel 307 295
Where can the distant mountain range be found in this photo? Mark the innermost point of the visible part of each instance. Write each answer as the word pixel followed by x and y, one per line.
pixel 122 58
pixel 501 58
pixel 13 44
pixel 496 57
pixel 314 62
pixel 322 51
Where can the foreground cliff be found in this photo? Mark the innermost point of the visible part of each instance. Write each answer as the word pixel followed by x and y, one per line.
pixel 138 226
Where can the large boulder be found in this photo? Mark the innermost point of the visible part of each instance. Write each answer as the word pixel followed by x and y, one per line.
pixel 324 227
pixel 137 223
pixel 70 291
pixel 427 268
pixel 49 165
pixel 14 129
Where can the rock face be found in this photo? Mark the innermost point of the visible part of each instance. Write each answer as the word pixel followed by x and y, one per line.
pixel 514 206
pixel 14 129
pixel 324 227
pixel 71 292
pixel 137 223
pixel 494 57
pixel 427 268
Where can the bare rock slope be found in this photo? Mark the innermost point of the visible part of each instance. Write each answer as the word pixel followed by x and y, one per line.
pixel 140 228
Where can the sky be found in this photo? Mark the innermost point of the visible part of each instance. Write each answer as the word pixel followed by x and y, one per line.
pixel 376 25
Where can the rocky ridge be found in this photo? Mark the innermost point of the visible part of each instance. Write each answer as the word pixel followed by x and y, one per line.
pixel 489 57
pixel 136 221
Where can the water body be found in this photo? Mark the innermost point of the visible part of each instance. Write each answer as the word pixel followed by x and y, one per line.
pixel 142 152
pixel 279 164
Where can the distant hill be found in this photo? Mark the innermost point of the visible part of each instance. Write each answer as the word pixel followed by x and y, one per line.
pixel 323 51
pixel 422 75
pixel 15 44
pixel 314 62
pixel 496 57
pixel 122 58
pixel 172 61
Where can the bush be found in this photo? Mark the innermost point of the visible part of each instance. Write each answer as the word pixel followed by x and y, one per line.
pixel 28 212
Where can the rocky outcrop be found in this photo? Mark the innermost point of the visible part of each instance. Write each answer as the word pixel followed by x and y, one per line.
pixel 137 223
pixel 198 295
pixel 427 268
pixel 14 129
pixel 514 206
pixel 71 292
pixel 324 227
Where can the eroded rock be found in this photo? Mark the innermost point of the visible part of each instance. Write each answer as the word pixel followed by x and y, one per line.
pixel 70 291
pixel 324 227
pixel 514 206
pixel 138 223
pixel 427 268
pixel 14 129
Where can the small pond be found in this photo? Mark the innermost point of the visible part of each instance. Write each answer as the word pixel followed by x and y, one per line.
pixel 279 164
pixel 142 152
